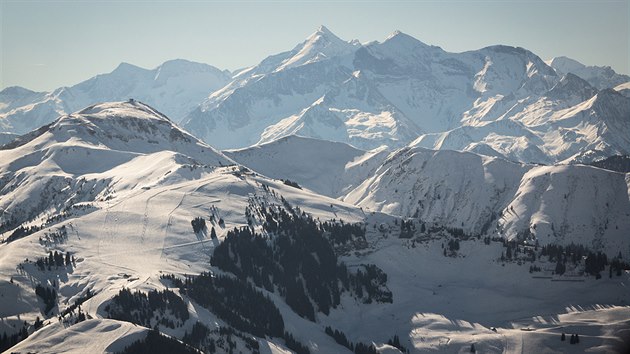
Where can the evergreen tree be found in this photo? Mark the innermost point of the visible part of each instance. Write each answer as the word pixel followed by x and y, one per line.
pixel 38 323
pixel 563 337
pixel 560 268
pixel 610 272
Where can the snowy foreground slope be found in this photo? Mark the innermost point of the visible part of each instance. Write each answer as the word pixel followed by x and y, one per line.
pixel 176 87
pixel 117 185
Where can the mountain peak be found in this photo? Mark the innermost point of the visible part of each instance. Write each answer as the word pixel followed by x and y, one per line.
pixel 394 34
pixel 322 44
pixel 179 66
pixel 400 38
pixel 126 69
pixel 564 65
pixel 132 126
pixel 128 109
pixel 571 85
pixel 16 90
pixel 126 66
pixel 324 30
pixel 323 34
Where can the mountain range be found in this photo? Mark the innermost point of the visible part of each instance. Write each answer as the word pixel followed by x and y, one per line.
pixel 177 86
pixel 340 197
pixel 498 101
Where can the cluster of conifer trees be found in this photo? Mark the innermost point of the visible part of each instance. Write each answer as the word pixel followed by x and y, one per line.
pixel 198 224
pixel 55 259
pixel 140 308
pixel 235 301
pixel 341 339
pixel 340 233
pixel 48 295
pixel 201 338
pixel 295 345
pixel 575 339
pixel 22 231
pixel 156 343
pixel 395 342
pixel 594 262
pixel 291 183
pixel 55 237
pixel 298 261
pixel 7 341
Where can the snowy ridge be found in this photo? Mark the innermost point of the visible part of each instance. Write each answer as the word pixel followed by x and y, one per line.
pixel 551 205
pixel 594 128
pixel 175 87
pixel 89 151
pixel 485 195
pixel 320 45
pixel 623 89
pixel 601 77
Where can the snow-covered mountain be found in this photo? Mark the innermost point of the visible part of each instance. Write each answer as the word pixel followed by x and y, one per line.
pixel 595 128
pixel 600 77
pixel 479 194
pixel 499 100
pixel 325 167
pixel 85 156
pixel 487 195
pixel 176 87
pixel 111 215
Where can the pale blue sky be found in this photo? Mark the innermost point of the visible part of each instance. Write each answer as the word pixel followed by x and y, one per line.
pixel 47 44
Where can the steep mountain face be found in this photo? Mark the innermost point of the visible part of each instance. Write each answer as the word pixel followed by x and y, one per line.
pixel 548 130
pixel 487 195
pixel 600 77
pixel 617 163
pixel 175 88
pixel 366 95
pixel 624 89
pixel 500 101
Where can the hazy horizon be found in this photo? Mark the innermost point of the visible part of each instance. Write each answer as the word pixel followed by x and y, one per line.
pixel 46 45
